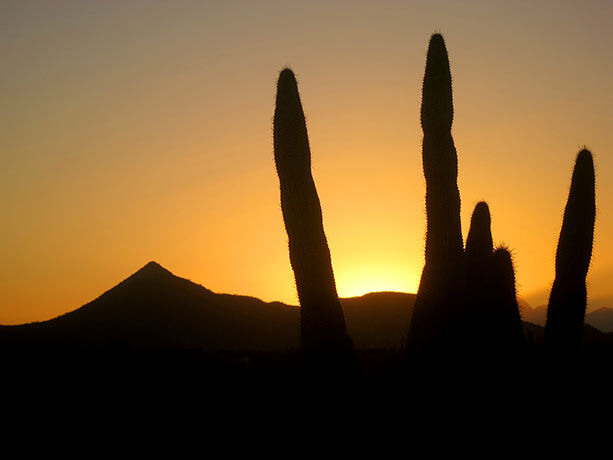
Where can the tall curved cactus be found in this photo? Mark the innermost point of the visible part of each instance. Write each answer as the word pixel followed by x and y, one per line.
pixel 439 289
pixel 322 322
pixel 568 298
pixel 462 294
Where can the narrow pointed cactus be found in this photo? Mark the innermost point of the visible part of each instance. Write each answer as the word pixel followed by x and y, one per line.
pixel 322 322
pixel 479 243
pixel 439 289
pixel 477 306
pixel 568 298
pixel 505 324
pixel 440 161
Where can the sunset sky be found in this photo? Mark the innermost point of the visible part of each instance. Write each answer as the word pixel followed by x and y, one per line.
pixel 142 130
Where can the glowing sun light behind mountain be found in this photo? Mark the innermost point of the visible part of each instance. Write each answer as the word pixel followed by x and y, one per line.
pixel 142 130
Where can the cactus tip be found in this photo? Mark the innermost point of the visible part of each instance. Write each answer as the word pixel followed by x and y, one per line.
pixel 437 99
pixel 286 75
pixel 584 158
pixel 437 38
pixel 504 253
pixel 482 211
pixel 503 260
pixel 437 45
pixel 479 240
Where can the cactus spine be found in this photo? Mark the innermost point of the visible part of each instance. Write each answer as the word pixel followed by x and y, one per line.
pixel 568 298
pixel 322 322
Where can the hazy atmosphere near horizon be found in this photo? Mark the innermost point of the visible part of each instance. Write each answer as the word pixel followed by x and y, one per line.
pixel 142 130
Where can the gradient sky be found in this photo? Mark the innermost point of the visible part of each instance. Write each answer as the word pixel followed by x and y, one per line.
pixel 141 130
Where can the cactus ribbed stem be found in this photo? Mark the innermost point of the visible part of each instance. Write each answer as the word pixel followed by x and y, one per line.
pixel 322 322
pixel 505 320
pixel 439 288
pixel 568 298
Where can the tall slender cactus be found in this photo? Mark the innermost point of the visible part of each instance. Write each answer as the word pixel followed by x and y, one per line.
pixel 439 289
pixel 568 298
pixel 322 322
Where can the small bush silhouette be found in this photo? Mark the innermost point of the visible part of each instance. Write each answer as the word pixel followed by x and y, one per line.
pixel 322 322
pixel 568 298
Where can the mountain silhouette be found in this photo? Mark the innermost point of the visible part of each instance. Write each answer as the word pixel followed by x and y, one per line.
pixel 601 319
pixel 536 315
pixel 153 308
pixel 593 338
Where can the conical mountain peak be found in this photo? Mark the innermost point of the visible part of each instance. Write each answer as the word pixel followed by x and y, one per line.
pixel 153 268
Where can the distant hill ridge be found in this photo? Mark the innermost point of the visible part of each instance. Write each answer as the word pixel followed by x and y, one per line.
pixel 153 308
pixel 601 318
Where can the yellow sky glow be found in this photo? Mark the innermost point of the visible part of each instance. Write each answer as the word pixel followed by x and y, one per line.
pixel 142 131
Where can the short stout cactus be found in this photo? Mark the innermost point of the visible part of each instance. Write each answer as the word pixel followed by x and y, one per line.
pixel 506 330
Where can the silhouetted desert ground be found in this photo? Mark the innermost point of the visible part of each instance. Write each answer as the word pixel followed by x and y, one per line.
pixel 156 320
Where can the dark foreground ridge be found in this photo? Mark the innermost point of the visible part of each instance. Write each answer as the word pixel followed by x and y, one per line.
pixel 158 319
pixel 155 309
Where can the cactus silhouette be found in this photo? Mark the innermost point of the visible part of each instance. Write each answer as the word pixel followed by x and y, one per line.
pixel 479 243
pixel 477 273
pixel 491 311
pixel 568 298
pixel 504 319
pixel 439 289
pixel 460 301
pixel 322 322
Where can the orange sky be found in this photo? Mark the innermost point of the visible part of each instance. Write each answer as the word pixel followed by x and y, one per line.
pixel 141 130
